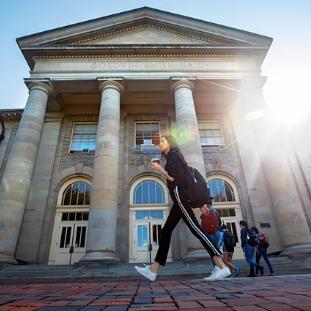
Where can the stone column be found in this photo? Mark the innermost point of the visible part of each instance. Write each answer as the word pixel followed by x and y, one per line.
pixel 272 188
pixel 16 179
pixel 187 132
pixel 32 229
pixel 288 203
pixel 247 116
pixel 101 237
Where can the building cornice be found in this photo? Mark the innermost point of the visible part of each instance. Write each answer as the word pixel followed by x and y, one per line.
pixel 142 51
pixel 11 114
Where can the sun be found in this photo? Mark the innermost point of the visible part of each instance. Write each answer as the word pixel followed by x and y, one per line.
pixel 288 99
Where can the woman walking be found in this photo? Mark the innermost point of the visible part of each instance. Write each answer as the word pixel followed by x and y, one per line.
pixel 176 172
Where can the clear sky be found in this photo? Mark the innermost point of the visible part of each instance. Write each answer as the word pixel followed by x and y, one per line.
pixel 287 65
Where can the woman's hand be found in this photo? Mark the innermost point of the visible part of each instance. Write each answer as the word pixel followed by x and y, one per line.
pixel 204 209
pixel 156 166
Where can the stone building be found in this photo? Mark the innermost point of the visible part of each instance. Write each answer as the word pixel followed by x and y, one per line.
pixel 76 183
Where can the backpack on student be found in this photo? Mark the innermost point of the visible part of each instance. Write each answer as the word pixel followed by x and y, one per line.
pixel 263 240
pixel 209 222
pixel 252 237
pixel 197 190
pixel 229 240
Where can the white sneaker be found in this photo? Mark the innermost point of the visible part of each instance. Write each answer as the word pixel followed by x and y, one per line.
pixel 215 269
pixel 218 274
pixel 146 272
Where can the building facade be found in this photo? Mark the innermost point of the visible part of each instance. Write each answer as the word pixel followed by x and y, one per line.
pixel 76 183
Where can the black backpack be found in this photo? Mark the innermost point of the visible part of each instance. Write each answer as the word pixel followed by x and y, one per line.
pixel 197 190
pixel 229 240
pixel 252 237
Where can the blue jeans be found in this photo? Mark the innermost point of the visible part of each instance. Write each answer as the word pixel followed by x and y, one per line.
pixel 249 252
pixel 262 251
pixel 219 238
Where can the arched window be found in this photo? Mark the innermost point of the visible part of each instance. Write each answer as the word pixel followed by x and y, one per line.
pixel 148 192
pixel 221 191
pixel 77 193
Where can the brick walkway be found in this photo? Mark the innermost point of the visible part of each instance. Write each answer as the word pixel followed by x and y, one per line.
pixel 250 294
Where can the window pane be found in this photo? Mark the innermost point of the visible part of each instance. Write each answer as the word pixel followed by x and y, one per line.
pixel 83 236
pixel 145 192
pixel 139 215
pixel 153 214
pixel 147 133
pixel 221 191
pixel 159 194
pixel 81 187
pixel 84 138
pixel 77 193
pixel 74 194
pixel 62 238
pixel 225 212
pixel 149 192
pixel 142 236
pixel 159 214
pixel 68 237
pixel 213 189
pixel 152 192
pixel 79 216
pixel 66 196
pixel 78 236
pixel 232 212
pixel 229 192
pixel 138 195
pixel 64 216
pixel 210 133
pixel 156 230
pixel 72 216
pixel 87 195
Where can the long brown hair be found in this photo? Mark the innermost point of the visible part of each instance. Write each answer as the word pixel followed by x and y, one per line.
pixel 173 147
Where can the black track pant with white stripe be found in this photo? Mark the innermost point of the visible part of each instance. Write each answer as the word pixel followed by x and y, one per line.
pixel 181 209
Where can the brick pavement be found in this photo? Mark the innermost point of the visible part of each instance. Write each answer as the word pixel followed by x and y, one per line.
pixel 282 293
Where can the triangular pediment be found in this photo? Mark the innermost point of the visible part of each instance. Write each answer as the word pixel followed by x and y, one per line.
pixel 151 22
pixel 144 30
pixel 145 35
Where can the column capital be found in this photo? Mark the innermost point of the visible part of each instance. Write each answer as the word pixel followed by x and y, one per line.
pixel 182 83
pixel 40 86
pixel 110 84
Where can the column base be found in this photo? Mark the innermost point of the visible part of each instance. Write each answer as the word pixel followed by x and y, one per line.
pixel 300 253
pixel 7 259
pixel 100 257
pixel 194 255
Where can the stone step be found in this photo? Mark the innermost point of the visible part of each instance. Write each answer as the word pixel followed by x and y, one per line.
pixel 45 273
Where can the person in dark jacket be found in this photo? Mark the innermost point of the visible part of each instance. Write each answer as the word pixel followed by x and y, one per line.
pixel 176 172
pixel 228 250
pixel 248 243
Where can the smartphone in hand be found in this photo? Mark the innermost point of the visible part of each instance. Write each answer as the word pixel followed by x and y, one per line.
pixel 155 160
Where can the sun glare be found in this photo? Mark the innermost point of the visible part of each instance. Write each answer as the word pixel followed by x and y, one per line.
pixel 288 99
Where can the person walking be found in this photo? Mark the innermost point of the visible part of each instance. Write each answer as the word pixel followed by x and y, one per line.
pixel 211 225
pixel 176 172
pixel 261 251
pixel 229 243
pixel 248 243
